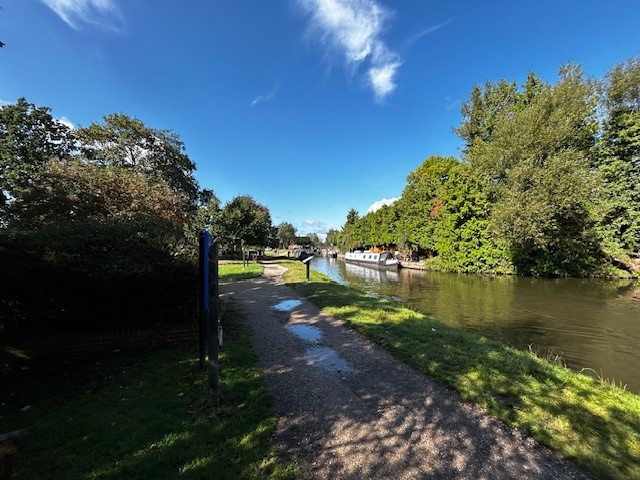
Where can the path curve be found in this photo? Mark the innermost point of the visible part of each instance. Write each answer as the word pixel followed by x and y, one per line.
pixel 348 410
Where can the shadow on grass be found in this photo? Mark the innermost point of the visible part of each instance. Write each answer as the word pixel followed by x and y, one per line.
pixel 587 420
pixel 146 416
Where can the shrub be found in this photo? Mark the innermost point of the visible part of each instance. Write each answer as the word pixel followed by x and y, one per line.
pixel 95 274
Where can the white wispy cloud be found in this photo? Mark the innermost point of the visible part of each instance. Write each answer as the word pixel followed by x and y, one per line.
pixel 382 79
pixel 96 13
pixel 314 226
pixel 264 98
pixel 450 103
pixel 381 203
pixel 414 38
pixel 355 28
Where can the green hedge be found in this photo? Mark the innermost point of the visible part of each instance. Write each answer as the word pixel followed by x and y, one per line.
pixel 91 275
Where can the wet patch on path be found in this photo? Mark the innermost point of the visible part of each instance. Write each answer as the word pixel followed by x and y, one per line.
pixel 287 305
pixel 317 355
pixel 327 359
pixel 305 332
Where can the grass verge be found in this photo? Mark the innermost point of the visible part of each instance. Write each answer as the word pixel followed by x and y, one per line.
pixel 592 422
pixel 143 416
pixel 233 270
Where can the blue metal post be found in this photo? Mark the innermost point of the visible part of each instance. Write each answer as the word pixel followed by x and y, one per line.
pixel 203 294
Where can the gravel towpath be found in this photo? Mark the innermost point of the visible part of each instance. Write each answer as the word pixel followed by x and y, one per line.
pixel 348 410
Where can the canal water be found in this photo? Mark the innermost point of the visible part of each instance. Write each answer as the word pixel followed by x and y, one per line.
pixel 594 325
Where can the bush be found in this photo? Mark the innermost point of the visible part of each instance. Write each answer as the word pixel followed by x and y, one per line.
pixel 91 275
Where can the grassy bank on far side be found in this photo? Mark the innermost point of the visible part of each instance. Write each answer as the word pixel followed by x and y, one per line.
pixel 587 420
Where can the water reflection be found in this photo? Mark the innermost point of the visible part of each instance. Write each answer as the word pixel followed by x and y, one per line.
pixel 371 274
pixel 592 324
pixel 327 359
pixel 319 355
pixel 308 333
pixel 286 305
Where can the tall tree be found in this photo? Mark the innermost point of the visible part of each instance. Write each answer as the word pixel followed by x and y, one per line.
pixel 286 234
pixel 421 200
pixel 533 87
pixel 349 237
pixel 485 110
pixel 244 222
pixel 127 142
pixel 314 239
pixel 333 236
pixel 207 217
pixel 380 225
pixel 72 191
pixel 352 217
pixel 537 170
pixel 29 138
pixel 463 240
pixel 619 157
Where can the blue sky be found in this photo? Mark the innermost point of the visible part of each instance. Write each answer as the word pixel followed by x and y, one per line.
pixel 312 107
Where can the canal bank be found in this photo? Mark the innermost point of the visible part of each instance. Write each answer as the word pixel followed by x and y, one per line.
pixel 413 265
pixel 591 324
pixel 369 416
pixel 589 420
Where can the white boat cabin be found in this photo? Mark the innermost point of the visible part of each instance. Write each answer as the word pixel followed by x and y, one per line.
pixel 383 259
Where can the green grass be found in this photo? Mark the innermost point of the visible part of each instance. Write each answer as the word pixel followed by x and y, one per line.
pixel 143 416
pixel 233 270
pixel 590 421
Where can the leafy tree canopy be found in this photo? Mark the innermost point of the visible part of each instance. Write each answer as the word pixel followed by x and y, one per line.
pixel 78 230
pixel 207 217
pixel 29 138
pixel 245 222
pixel 619 157
pixel 352 216
pixel 333 236
pixel 71 191
pixel 421 200
pixel 537 164
pixel 126 142
pixel 314 239
pixel 548 183
pixel 350 236
pixel 286 234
